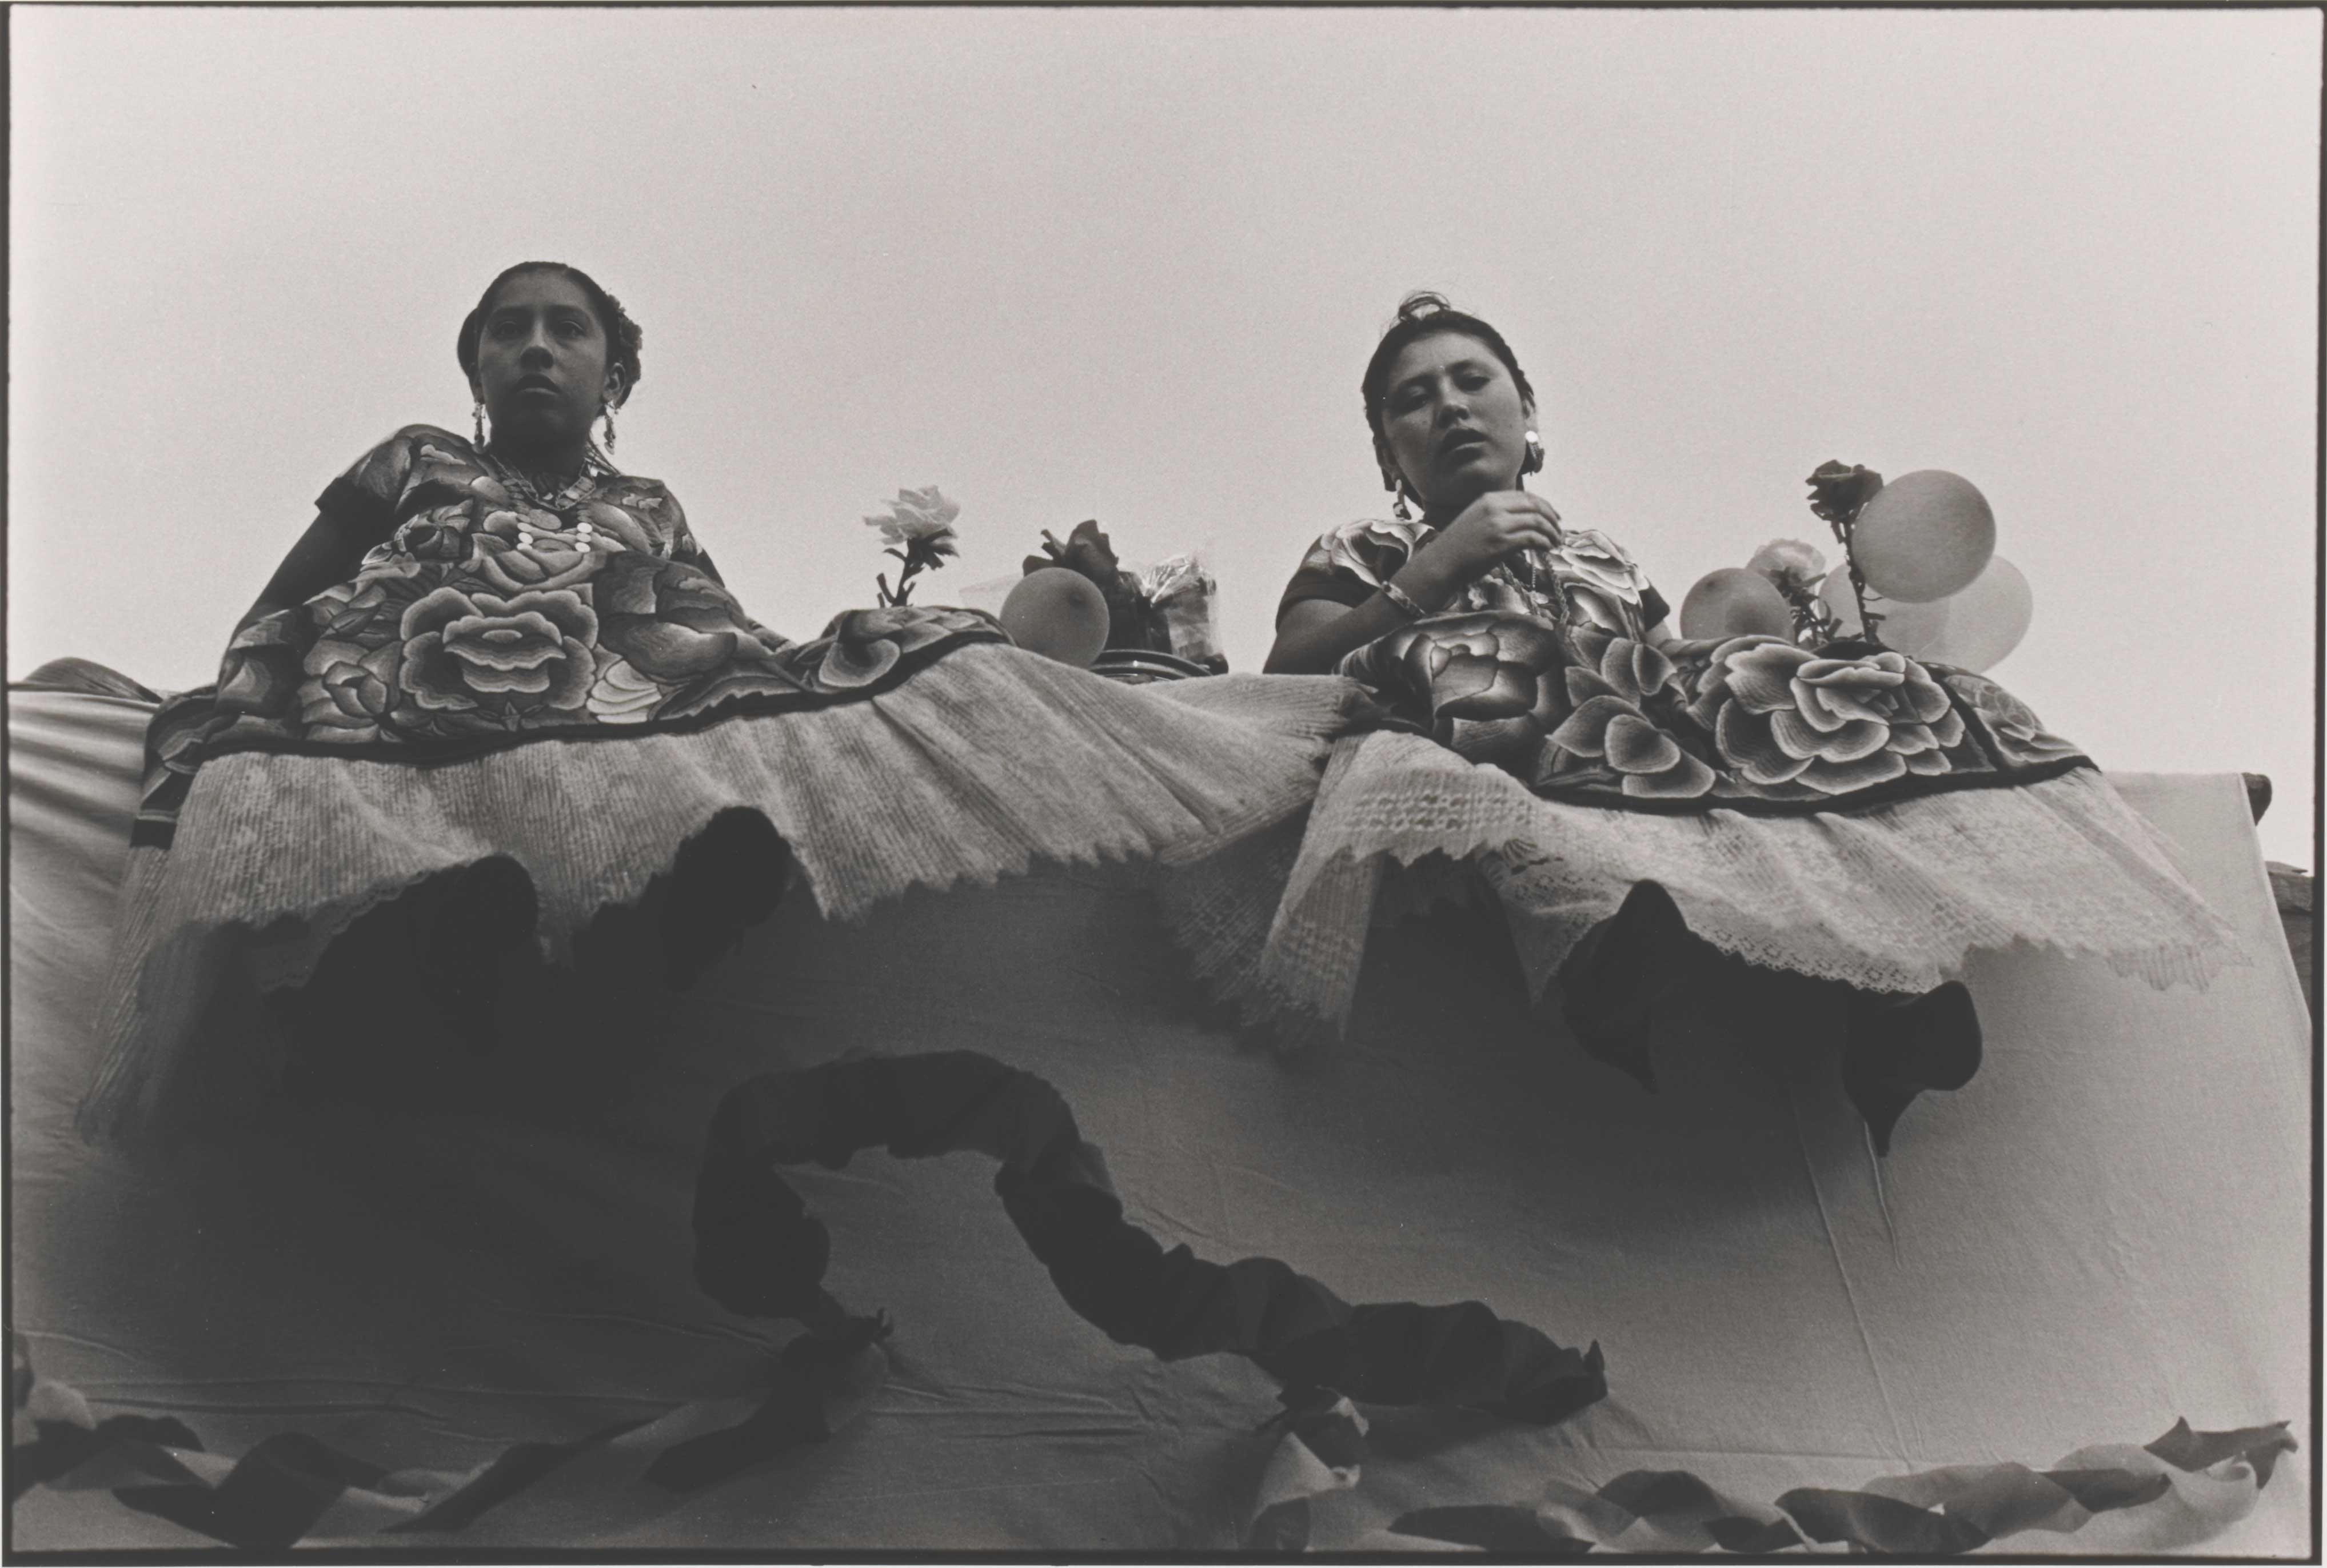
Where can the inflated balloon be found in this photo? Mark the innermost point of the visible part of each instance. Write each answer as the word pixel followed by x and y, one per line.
pixel 1058 613
pixel 1911 629
pixel 1736 603
pixel 1987 619
pixel 1924 536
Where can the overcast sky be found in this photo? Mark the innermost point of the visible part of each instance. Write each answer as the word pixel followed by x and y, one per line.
pixel 1128 264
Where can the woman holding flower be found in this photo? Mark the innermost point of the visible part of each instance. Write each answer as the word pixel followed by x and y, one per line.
pixel 497 685
pixel 1825 817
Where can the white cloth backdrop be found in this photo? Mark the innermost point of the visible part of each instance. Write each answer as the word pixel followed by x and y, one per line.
pixel 2108 1229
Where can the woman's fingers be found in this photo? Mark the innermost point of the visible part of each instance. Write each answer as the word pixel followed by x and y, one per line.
pixel 1534 529
pixel 1524 513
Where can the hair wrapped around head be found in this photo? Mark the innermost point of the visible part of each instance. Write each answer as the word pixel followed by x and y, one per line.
pixel 622 335
pixel 1423 315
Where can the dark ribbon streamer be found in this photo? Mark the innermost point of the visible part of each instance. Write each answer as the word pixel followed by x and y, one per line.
pixel 1977 1504
pixel 282 1488
pixel 759 1251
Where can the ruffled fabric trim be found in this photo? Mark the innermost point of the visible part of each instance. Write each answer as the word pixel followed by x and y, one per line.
pixel 981 766
pixel 1893 898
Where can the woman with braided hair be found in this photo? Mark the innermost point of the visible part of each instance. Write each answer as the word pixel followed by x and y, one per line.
pixel 1822 825
pixel 499 686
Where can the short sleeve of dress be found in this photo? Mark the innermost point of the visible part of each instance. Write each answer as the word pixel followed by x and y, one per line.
pixel 1346 565
pixel 670 518
pixel 685 546
pixel 366 495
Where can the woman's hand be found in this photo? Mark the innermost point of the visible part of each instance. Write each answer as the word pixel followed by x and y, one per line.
pixel 1497 526
pixel 1313 634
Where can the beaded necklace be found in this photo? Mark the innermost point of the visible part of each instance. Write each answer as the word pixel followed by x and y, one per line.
pixel 594 464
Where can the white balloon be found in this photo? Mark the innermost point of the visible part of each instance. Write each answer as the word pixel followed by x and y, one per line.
pixel 1911 629
pixel 1924 536
pixel 1986 620
pixel 1058 613
pixel 1733 601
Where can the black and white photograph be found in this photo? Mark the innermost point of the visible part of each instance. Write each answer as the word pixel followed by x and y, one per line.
pixel 790 782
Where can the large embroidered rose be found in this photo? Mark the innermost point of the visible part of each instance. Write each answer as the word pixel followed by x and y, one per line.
pixel 349 690
pixel 867 644
pixel 1782 714
pixel 1612 724
pixel 1597 579
pixel 671 619
pixel 440 534
pixel 520 661
pixel 2019 733
pixel 535 563
pixel 621 695
pixel 259 673
pixel 368 609
pixel 352 669
pixel 1477 667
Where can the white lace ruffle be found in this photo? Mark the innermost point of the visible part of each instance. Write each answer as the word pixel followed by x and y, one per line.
pixel 980 766
pixel 1891 898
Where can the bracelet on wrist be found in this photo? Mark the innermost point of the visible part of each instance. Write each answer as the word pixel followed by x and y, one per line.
pixel 1406 602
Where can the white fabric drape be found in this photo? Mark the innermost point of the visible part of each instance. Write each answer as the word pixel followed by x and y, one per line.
pixel 2108 1229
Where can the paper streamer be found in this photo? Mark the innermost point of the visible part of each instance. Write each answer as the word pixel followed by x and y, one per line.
pixel 291 1487
pixel 2204 1479
pixel 758 1251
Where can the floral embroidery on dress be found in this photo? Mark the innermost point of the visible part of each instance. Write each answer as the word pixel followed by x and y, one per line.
pixel 1587 576
pixel 1569 696
pixel 489 617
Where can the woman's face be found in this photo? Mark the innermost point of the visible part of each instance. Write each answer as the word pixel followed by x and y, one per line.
pixel 1455 421
pixel 541 362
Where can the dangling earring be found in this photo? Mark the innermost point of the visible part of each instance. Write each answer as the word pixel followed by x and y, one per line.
pixel 1397 487
pixel 480 423
pixel 610 427
pixel 1399 509
pixel 1534 463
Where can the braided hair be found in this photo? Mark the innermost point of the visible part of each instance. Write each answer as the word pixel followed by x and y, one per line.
pixel 1423 315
